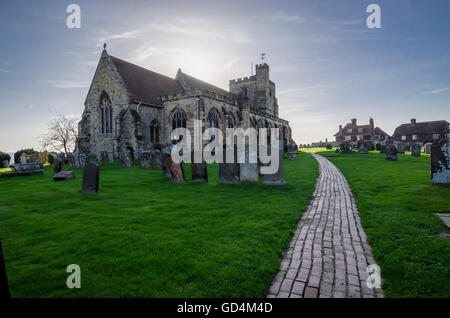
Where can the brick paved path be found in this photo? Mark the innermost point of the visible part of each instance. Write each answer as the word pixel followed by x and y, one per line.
pixel 328 254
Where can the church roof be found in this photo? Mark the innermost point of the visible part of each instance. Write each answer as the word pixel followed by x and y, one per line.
pixel 191 83
pixel 144 85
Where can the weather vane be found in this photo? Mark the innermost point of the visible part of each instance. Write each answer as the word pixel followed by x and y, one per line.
pixel 104 46
pixel 263 56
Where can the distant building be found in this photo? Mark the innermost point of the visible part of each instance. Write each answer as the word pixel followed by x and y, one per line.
pixel 354 132
pixel 427 131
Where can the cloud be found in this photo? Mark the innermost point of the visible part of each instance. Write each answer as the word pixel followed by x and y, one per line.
pixel 438 91
pixel 67 84
pixel 124 35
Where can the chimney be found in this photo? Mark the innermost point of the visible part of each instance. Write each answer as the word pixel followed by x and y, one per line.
pixel 340 127
pixel 354 121
pixel 413 121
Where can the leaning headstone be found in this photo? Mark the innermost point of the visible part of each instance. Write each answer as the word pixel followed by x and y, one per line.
pixel 146 159
pixel 415 150
pixel 4 287
pixel 126 159
pixel 177 172
pixel 229 172
pixel 391 152
pixel 277 177
pixel 105 157
pixel 57 165
pixel 166 165
pixel 427 148
pixel 199 171
pixel 91 174
pixel 156 160
pixel 64 175
pixel 440 163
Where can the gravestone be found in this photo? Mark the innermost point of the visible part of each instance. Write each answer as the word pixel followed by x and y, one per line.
pixel 50 159
pixel 156 159
pixel 345 147
pixel 440 163
pixel 363 149
pixel 177 172
pixel 126 159
pixel 277 177
pixel 5 164
pixel 62 156
pixel 370 145
pixel 391 152
pixel 57 165
pixel 292 151
pixel 146 159
pixel 71 159
pixel 248 172
pixel 415 150
pixel 105 157
pixel 166 165
pixel 329 146
pixel 64 175
pixel 383 148
pixel 427 148
pixel 199 171
pixel 91 174
pixel 401 147
pixel 229 172
pixel 80 160
pixel 377 146
pixel 23 159
pixel 4 287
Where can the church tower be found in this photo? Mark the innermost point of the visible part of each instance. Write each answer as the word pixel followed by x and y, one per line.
pixel 259 89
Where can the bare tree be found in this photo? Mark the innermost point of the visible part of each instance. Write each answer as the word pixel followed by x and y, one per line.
pixel 61 135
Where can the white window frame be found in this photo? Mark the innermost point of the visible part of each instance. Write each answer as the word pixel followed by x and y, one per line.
pixel 360 130
pixel 435 136
pixel 347 138
pixel 414 137
pixel 403 137
pixel 349 131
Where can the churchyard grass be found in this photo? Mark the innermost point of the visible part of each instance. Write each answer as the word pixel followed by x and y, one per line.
pixel 396 204
pixel 143 236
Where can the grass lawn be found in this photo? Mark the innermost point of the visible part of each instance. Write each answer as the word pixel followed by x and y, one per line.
pixel 396 204
pixel 143 236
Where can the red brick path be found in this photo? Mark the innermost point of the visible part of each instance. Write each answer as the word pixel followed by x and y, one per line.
pixel 328 254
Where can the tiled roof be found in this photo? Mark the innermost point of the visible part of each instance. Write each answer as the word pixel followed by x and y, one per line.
pixel 144 85
pixel 191 83
pixel 423 128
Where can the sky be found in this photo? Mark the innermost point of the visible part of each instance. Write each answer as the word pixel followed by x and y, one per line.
pixel 327 64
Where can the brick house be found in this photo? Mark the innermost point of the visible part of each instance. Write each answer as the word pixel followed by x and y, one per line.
pixel 354 132
pixel 423 132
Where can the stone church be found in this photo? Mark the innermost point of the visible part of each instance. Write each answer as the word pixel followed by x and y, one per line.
pixel 130 107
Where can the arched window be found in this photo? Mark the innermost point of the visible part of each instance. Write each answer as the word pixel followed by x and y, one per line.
pixel 154 131
pixel 106 114
pixel 178 119
pixel 213 119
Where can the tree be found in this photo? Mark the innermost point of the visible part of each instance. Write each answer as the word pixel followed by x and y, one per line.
pixel 62 134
